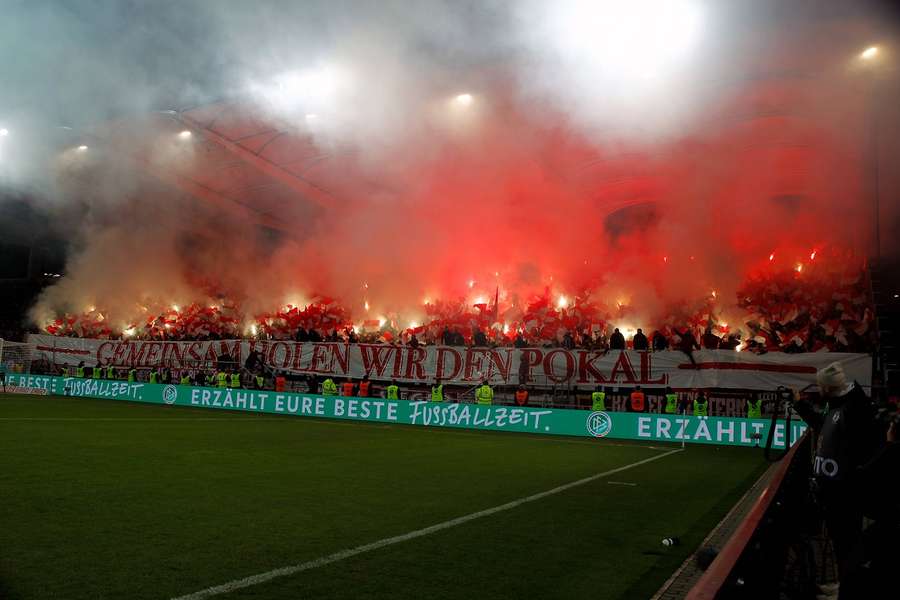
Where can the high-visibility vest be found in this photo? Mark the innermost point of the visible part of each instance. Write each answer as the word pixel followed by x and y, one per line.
pixel 521 397
pixel 347 389
pixel 754 409
pixel 65 371
pixel 211 380
pixel 637 401
pixel 154 376
pixel 363 389
pixel 222 379
pixel 132 375
pixel 185 380
pixel 598 401
pixel 110 372
pixel 79 372
pixel 235 380
pixel 329 387
pixel 701 409
pixel 260 381
pixel 280 383
pixel 97 372
pixel 393 392
pixel 484 394
pixel 437 393
pixel 671 404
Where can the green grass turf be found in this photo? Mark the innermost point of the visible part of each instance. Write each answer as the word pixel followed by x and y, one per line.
pixel 105 499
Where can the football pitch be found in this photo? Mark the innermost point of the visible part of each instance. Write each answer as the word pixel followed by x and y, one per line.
pixel 110 499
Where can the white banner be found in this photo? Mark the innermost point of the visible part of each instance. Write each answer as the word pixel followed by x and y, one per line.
pixel 538 367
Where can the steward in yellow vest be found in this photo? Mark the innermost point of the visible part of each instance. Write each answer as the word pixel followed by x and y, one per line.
pixel 329 387
pixel 754 409
pixel 393 391
pixel 701 405
pixel 598 399
pixel 484 394
pixel 671 402
pixel 437 392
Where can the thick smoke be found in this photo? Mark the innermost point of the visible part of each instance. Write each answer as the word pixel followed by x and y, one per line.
pixel 739 137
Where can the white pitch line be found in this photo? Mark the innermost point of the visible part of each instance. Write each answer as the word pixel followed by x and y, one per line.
pixel 252 580
pixel 621 483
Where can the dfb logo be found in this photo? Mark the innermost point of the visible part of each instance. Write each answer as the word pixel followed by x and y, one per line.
pixel 170 394
pixel 599 424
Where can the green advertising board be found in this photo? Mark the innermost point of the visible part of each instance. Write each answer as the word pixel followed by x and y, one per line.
pixel 731 431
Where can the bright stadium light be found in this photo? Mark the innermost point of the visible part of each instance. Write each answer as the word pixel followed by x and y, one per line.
pixel 615 38
pixel 4 132
pixel 184 134
pixel 82 148
pixel 869 53
pixel 310 117
pixel 464 99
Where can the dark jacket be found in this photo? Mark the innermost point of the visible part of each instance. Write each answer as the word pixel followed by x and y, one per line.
pixel 617 341
pixel 640 341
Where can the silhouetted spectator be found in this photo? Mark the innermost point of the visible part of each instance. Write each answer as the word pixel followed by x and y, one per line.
pixel 520 341
pixel 253 359
pixel 710 340
pixel 730 343
pixel 660 342
pixel 616 340
pixel 301 335
pixel 688 344
pixel 639 342
pixel 479 338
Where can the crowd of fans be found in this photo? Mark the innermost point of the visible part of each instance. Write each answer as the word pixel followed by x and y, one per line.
pixel 778 312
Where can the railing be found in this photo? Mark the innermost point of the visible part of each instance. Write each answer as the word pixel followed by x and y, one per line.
pixel 774 550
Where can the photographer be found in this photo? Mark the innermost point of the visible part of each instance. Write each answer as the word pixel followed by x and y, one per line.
pixel 849 436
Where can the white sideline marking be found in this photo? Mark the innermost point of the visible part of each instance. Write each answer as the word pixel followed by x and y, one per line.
pixel 343 554
pixel 621 483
